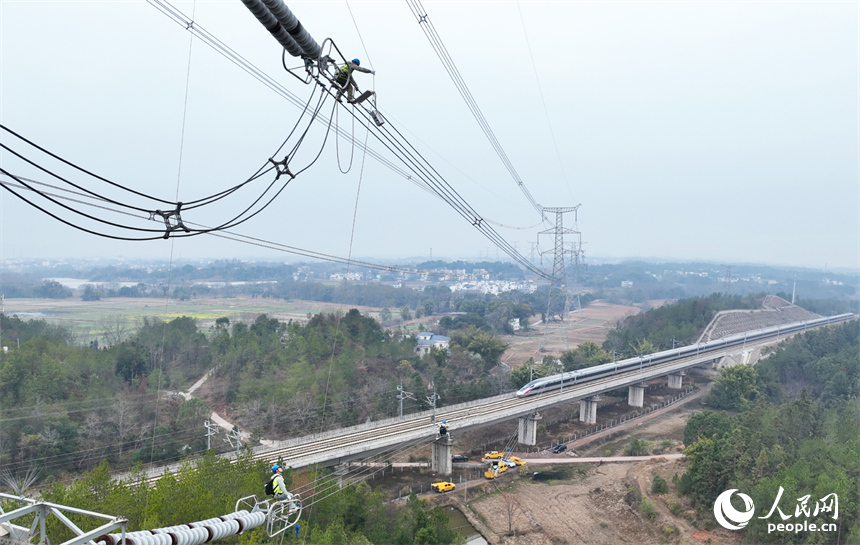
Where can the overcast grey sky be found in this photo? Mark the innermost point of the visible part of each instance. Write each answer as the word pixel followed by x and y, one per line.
pixel 720 131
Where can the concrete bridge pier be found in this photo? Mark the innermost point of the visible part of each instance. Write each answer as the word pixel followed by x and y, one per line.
pixel 341 470
pixel 528 429
pixel 443 447
pixel 588 410
pixel 636 395
pixel 676 379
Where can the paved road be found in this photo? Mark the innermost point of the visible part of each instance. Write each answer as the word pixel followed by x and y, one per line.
pixel 602 459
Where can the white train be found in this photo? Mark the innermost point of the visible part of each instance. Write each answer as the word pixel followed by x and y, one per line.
pixel 571 378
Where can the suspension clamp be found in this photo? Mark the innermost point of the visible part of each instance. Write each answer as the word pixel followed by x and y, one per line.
pixel 177 220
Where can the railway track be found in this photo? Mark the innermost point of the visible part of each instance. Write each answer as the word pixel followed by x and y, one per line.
pixel 353 442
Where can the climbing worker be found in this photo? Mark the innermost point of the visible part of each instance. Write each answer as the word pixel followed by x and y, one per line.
pixel 279 489
pixel 344 79
pixel 277 486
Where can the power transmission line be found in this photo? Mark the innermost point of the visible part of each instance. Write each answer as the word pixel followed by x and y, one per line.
pixel 395 143
pixel 442 52
pixel 245 239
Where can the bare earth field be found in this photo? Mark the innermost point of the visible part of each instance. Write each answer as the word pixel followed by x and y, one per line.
pixel 593 507
pixel 591 324
pixel 88 318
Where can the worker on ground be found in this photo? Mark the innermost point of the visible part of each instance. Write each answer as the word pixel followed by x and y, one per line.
pixel 344 78
pixel 279 489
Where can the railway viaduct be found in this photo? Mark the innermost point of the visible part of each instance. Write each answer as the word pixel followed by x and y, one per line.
pixel 342 445
pixel 336 446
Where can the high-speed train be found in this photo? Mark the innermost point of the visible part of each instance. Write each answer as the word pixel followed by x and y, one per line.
pixel 570 378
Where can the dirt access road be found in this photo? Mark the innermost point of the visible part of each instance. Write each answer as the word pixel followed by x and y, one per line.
pixel 598 505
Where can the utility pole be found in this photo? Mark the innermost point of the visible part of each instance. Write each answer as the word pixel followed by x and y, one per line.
pixel 235 434
pixel 2 301
pixel 431 399
pixel 402 394
pixel 211 430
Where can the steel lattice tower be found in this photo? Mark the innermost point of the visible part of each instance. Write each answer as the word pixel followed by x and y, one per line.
pixel 561 280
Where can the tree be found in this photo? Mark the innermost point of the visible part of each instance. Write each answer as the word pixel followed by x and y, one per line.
pixel 385 316
pixel 529 371
pixel 52 289
pixel 131 361
pixel 659 485
pixel 124 419
pixel 488 347
pixel 510 505
pixel 734 388
pixel 584 355
pixel 91 293
pixel 523 312
pixel 707 424
pixel 114 329
pixel 643 348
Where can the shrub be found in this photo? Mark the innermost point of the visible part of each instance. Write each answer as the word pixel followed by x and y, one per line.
pixel 685 484
pixel 637 447
pixel 633 496
pixel 659 485
pixel 647 509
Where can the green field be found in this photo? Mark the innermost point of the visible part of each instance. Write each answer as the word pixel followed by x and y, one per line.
pixel 89 319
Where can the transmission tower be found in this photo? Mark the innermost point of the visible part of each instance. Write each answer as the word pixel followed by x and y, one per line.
pixel 727 280
pixel 534 247
pixel 562 281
